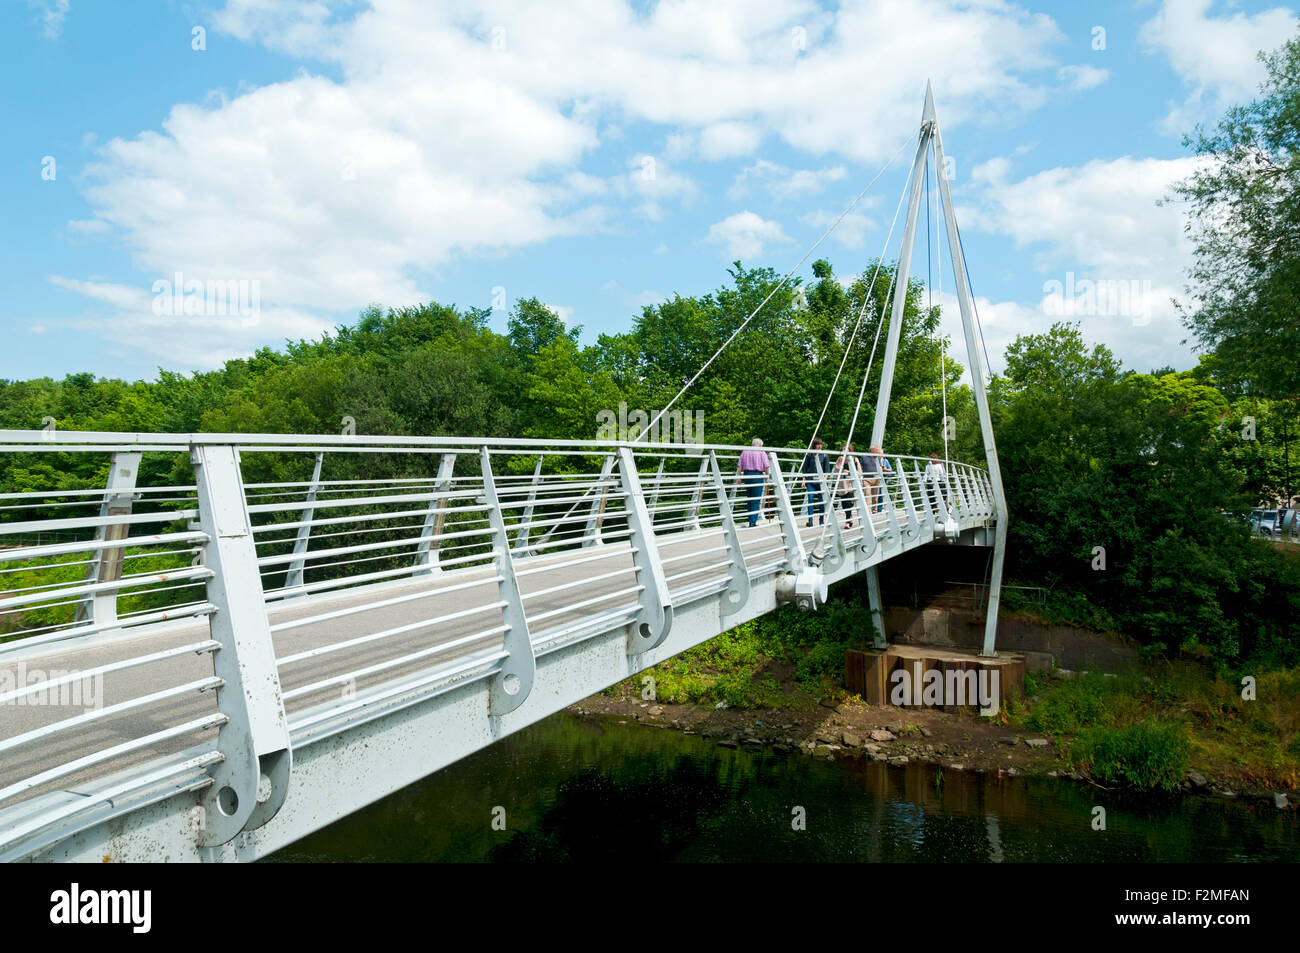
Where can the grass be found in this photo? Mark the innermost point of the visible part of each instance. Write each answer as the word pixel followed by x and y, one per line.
pixel 746 667
pixel 1149 728
pixel 1147 754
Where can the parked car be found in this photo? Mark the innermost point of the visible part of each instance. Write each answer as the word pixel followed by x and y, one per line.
pixel 1263 522
pixel 1275 524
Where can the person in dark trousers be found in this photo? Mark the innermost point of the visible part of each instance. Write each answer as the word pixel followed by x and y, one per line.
pixel 844 475
pixel 752 465
pixel 812 480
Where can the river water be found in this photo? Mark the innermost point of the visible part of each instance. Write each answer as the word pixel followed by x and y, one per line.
pixel 582 789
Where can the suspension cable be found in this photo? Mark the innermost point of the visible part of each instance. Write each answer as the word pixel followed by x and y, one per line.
pixel 852 205
pixel 988 365
pixel 866 375
pixel 861 313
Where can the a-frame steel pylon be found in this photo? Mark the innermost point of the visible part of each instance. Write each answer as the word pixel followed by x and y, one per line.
pixel 929 138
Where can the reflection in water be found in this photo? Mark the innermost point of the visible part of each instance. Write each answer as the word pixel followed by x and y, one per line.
pixel 586 790
pixel 995 839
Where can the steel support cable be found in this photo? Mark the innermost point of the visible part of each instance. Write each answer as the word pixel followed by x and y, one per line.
pixel 861 311
pixel 866 375
pixel 988 365
pixel 799 264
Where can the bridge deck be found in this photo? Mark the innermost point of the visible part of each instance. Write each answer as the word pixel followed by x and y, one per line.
pixel 689 555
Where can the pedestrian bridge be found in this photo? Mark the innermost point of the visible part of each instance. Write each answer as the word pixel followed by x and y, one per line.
pixel 229 641
pixel 237 639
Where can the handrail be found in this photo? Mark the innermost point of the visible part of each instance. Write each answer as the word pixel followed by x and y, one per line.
pixel 61 440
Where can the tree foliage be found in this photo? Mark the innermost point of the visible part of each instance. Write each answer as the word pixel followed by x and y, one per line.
pixel 1244 218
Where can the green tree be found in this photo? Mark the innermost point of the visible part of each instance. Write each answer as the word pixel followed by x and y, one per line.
pixel 533 326
pixel 1244 217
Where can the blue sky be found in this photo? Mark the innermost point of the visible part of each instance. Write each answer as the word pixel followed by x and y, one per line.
pixel 327 155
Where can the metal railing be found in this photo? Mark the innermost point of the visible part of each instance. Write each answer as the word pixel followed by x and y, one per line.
pixel 243 595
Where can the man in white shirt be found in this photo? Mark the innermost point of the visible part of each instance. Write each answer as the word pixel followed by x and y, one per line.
pixel 938 480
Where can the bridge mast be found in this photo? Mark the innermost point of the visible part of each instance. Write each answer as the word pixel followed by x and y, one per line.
pixel 929 135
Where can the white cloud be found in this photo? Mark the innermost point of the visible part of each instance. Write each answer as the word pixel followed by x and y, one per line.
pixel 51 13
pixel 721 69
pixel 783 183
pixel 744 235
pixel 1143 334
pixel 89 228
pixel 190 341
pixel 1000 321
pixel 1101 216
pixel 993 170
pixel 851 231
pixel 125 297
pixel 651 182
pixel 1082 77
pixel 723 140
pixel 679 145
pixel 562 311
pixel 1216 56
pixel 1098 222
pixel 447 131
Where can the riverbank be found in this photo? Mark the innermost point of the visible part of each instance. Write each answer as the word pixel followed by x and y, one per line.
pixel 1166 726
pixel 848 728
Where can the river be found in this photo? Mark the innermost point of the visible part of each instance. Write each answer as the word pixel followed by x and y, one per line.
pixel 575 788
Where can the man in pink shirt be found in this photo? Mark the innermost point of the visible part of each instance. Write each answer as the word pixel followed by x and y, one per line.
pixel 753 466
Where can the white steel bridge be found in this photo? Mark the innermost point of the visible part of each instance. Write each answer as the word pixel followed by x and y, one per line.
pixel 233 640
pixel 213 670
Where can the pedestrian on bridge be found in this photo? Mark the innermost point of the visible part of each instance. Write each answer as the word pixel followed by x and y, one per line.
pixel 937 480
pixel 845 468
pixel 815 466
pixel 874 467
pixel 753 465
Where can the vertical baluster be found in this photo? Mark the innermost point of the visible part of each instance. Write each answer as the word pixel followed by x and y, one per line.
pixel 694 518
pixel 526 520
pixel 293 578
pixel 426 555
pixel 596 515
pixel 905 497
pixel 100 608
